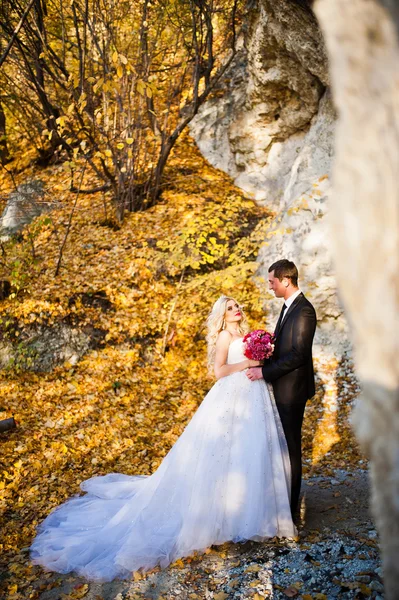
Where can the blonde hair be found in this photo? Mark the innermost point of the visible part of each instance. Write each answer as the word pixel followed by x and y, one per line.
pixel 216 323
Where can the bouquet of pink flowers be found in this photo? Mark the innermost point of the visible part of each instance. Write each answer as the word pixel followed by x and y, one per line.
pixel 259 344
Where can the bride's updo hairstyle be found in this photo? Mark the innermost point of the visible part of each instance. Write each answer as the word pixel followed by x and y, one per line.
pixel 216 323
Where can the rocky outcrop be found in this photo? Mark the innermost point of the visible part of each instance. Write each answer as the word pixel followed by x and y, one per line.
pixel 42 348
pixel 272 131
pixel 44 344
pixel 23 205
pixel 301 231
pixel 255 130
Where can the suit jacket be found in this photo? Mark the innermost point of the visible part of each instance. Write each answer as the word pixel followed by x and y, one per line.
pixel 290 369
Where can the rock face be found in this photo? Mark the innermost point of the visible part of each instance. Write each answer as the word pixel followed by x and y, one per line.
pixel 272 131
pixel 255 131
pixel 40 349
pixel 301 231
pixel 22 207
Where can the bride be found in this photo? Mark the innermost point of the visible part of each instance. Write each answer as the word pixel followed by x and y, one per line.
pixel 226 478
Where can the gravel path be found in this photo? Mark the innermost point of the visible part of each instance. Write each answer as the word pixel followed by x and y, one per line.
pixel 336 556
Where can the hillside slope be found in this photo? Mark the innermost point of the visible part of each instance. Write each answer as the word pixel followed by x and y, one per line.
pixel 145 288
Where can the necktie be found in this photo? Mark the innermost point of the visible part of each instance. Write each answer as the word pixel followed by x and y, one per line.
pixel 285 307
pixel 280 319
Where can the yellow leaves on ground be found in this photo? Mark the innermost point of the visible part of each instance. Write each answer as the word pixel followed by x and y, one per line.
pixel 123 405
pixel 79 591
pixel 149 286
pixel 220 596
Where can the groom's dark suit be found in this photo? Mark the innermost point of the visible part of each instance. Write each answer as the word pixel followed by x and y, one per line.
pixel 290 370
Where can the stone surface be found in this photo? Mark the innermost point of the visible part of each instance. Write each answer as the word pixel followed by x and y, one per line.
pixel 272 131
pixel 23 205
pixel 255 130
pixel 42 348
pixel 301 233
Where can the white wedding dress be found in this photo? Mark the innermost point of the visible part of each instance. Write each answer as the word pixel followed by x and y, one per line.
pixel 226 478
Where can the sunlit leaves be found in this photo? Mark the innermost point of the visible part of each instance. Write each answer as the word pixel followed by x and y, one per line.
pixel 124 404
pixel 216 231
pixel 111 75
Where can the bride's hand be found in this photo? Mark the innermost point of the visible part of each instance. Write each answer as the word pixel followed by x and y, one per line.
pixel 254 363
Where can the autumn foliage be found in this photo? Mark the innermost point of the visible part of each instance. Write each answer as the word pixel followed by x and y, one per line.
pixel 113 82
pixel 125 403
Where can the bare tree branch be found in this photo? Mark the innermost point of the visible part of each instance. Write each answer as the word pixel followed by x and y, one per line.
pixel 16 31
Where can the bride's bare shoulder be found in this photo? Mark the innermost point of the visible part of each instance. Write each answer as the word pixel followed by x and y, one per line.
pixel 224 338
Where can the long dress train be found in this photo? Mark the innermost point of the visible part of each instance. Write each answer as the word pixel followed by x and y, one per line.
pixel 226 478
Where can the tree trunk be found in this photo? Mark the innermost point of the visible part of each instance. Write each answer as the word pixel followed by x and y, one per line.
pixel 362 43
pixel 4 157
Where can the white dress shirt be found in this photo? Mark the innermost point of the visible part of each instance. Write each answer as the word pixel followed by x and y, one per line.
pixel 289 301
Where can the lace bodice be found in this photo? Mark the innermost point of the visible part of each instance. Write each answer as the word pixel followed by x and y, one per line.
pixel 236 352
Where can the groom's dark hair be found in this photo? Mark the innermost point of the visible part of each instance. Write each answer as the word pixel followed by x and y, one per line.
pixel 285 268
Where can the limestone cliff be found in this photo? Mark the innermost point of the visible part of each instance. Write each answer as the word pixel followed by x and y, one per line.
pixel 272 131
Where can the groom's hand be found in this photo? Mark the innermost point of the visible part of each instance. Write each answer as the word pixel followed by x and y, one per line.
pixel 254 373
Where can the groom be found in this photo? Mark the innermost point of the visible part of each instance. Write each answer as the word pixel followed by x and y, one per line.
pixel 290 369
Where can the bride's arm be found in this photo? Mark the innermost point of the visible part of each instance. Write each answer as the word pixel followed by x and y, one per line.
pixel 222 369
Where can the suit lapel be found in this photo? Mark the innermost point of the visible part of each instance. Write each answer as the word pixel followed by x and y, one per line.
pixel 289 312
